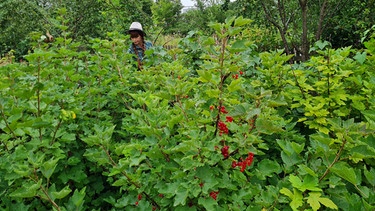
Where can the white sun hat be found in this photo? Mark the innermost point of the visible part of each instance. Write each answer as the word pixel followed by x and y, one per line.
pixel 136 26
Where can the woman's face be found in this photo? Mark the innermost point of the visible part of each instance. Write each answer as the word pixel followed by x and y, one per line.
pixel 136 38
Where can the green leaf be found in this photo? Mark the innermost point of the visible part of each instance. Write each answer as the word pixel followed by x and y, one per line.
pixel 48 167
pixel 122 181
pixel 266 168
pixel 296 181
pixel 239 110
pixel 321 45
pixel 297 200
pixel 362 151
pixel 240 21
pixel 208 203
pixel 266 126
pixel 205 75
pixel 229 21
pixel 62 193
pixel 28 190
pixel 309 183
pixel 205 174
pixel 238 46
pixel 306 169
pixel 296 196
pixel 313 200
pixel 370 175
pixel 287 192
pixel 328 203
pixel 181 195
pixel 78 197
pixel 136 160
pixel 39 123
pixel 360 57
pixel 346 172
pixel 369 114
pixel 290 160
pixel 235 85
pixel 215 26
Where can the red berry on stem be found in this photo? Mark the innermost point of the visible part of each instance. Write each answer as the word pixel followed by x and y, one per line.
pixel 213 194
pixel 229 119
pixel 223 127
pixel 222 109
pixel 224 151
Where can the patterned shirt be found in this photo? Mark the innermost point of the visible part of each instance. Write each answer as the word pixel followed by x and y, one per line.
pixel 148 45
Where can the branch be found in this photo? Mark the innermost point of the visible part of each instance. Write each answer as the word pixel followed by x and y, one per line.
pixel 129 179
pixel 334 161
pixel 7 124
pixel 55 132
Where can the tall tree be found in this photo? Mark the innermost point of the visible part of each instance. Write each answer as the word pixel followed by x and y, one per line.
pixel 280 15
pixel 308 20
pixel 17 20
pixel 166 14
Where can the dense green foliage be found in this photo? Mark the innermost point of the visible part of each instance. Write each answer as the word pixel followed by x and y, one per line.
pixel 211 125
pixel 83 19
pixel 280 23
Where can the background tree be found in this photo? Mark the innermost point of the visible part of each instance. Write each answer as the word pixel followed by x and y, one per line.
pixel 345 25
pixel 205 11
pixel 304 22
pixel 17 20
pixel 83 19
pixel 165 15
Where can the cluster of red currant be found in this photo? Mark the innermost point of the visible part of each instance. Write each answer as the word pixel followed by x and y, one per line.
pixel 243 163
pixel 213 194
pixel 229 119
pixel 225 151
pixel 222 128
pixel 139 197
pixel 235 76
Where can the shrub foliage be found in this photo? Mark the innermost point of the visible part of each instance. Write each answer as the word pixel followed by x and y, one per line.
pixel 210 125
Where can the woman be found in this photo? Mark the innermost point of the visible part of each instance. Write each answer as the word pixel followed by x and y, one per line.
pixel 139 45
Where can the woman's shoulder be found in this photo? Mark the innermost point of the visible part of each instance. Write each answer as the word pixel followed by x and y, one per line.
pixel 148 44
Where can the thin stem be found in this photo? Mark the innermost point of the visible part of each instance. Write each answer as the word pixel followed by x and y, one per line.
pixel 6 123
pixel 49 198
pixel 182 109
pixel 334 161
pixel 55 132
pixel 45 191
pixel 38 97
pixel 299 86
pixel 129 179
pixel 223 78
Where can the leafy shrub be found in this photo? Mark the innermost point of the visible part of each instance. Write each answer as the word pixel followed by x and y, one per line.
pixel 240 130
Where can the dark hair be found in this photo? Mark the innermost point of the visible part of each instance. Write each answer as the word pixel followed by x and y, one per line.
pixel 141 33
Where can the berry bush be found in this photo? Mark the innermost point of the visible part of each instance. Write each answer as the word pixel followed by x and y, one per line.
pixel 211 125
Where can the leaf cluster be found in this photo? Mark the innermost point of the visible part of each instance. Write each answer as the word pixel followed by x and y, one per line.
pixel 85 130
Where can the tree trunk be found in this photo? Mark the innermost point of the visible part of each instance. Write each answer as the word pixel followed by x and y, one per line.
pixel 281 28
pixel 305 43
pixel 322 15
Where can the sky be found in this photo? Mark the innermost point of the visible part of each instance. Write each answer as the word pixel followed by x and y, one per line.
pixel 186 3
